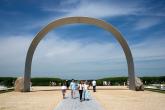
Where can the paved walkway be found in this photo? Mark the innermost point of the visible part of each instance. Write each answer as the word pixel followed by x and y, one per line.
pixel 74 104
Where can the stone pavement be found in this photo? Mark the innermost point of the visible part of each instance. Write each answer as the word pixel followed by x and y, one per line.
pixel 74 104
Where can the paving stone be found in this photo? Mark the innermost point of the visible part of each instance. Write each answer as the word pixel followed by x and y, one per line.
pixel 74 104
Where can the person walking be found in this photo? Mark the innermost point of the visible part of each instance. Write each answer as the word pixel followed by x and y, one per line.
pixel 94 85
pixel 80 88
pixel 63 89
pixel 86 91
pixel 73 88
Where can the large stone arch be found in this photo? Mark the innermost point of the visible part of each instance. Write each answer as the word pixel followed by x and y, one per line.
pixel 72 20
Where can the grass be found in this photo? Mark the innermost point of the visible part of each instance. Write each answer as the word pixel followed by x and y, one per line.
pixel 8 90
pixel 155 90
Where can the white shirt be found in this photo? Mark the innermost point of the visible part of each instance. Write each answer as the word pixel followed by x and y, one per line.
pixel 73 85
pixel 94 83
pixel 63 87
pixel 86 87
pixel 81 86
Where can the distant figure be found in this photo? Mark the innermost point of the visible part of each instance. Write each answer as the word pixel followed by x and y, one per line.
pixel 104 83
pixel 59 84
pixel 50 83
pixel 73 88
pixel 80 88
pixel 109 83
pixel 55 83
pixel 64 89
pixel 94 85
pixel 124 83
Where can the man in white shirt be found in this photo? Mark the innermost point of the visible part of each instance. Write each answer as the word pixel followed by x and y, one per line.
pixel 94 85
pixel 73 88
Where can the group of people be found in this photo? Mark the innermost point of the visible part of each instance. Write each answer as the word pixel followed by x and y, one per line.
pixel 82 87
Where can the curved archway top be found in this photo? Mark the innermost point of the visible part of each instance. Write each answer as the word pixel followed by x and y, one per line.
pixel 73 20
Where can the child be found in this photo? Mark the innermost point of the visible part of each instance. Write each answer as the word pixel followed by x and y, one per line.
pixel 63 89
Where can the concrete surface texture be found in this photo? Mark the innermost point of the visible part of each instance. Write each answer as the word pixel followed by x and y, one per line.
pixel 74 104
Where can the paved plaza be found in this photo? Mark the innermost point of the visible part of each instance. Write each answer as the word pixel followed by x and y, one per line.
pixel 75 104
pixel 106 97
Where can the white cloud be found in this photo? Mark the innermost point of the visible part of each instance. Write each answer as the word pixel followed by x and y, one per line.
pixel 146 23
pixel 101 10
pixel 58 50
pixel 98 9
pixel 12 54
pixel 150 49
pixel 54 56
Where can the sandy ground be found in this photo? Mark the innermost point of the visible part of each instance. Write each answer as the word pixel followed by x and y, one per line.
pixel 42 98
pixel 120 98
pixel 111 98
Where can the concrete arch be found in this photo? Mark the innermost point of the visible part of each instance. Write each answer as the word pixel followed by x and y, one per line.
pixel 72 20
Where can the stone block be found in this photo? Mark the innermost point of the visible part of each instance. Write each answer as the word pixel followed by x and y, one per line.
pixel 139 84
pixel 19 84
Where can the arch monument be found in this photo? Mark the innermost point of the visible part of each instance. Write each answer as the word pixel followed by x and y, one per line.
pixel 73 20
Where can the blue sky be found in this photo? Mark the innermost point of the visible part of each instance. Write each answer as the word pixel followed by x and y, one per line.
pixel 81 50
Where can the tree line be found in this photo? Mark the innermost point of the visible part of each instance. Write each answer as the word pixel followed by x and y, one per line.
pixel 9 81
